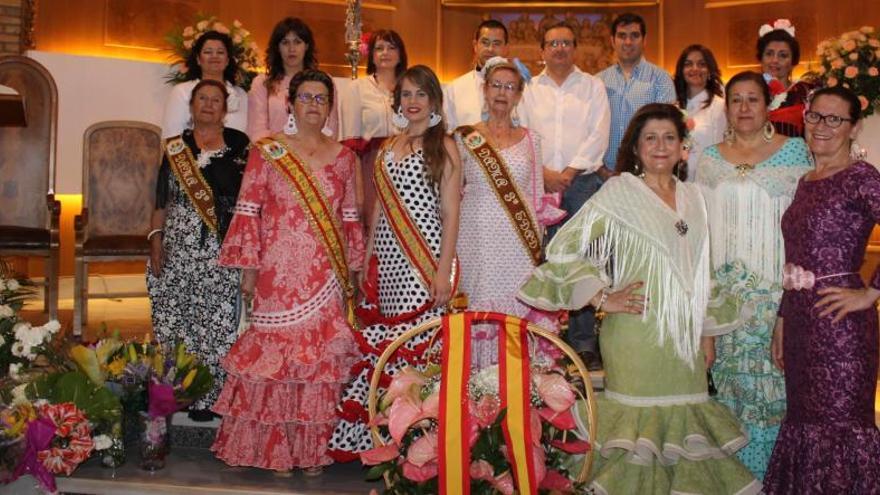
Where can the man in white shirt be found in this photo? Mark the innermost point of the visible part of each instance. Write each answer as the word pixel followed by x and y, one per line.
pixel 463 97
pixel 569 109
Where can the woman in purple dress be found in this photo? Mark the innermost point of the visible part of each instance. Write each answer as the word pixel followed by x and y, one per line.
pixel 828 442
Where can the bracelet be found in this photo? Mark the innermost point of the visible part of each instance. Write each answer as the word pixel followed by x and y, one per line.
pixel 600 315
pixel 153 232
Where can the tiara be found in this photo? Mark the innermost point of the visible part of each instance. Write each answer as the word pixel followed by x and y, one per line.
pixel 783 24
pixel 496 60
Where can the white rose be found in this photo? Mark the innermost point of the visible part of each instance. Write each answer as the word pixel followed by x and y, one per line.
pixel 202 25
pixel 52 326
pixel 13 284
pixel 6 311
pixel 14 369
pixel 237 23
pixel 2 285
pixel 2 341
pixel 18 351
pixel 102 442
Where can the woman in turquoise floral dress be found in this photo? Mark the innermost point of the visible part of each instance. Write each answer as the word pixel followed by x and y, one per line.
pixel 748 181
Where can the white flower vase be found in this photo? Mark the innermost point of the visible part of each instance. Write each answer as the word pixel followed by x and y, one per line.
pixel 869 138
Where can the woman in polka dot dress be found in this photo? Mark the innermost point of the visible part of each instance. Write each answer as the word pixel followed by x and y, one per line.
pixel 421 173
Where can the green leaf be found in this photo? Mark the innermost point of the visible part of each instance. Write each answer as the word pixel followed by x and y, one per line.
pixel 376 472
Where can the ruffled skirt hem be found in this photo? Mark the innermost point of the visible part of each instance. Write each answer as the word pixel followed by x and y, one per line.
pixel 682 448
pixel 822 458
pixel 279 446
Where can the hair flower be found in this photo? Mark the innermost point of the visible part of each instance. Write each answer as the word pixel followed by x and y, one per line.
pixel 783 24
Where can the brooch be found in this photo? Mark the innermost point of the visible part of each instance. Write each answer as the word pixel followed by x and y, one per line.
pixel 681 227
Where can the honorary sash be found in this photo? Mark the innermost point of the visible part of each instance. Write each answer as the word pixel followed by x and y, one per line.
pixel 191 180
pixel 307 190
pixel 514 383
pixel 414 246
pixel 498 176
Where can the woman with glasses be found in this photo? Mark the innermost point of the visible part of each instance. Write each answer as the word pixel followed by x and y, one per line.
pixel 748 181
pixel 827 343
pixel 492 277
pixel 297 238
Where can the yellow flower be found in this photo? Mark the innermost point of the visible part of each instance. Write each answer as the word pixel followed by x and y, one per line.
pixel 188 379
pixel 117 366
pixel 159 363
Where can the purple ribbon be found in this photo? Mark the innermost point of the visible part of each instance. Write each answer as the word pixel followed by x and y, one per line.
pixel 39 435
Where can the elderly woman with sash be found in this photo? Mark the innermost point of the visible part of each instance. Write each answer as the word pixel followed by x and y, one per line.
pixel 411 274
pixel 193 299
pixel 298 239
pixel 500 241
pixel 638 251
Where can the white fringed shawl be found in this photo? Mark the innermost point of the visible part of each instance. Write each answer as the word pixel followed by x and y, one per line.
pixel 745 210
pixel 641 243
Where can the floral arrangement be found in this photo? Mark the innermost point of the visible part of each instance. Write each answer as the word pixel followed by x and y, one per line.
pixel 57 439
pixel 172 378
pixel 20 342
pixel 853 60
pixel 245 50
pixel 409 410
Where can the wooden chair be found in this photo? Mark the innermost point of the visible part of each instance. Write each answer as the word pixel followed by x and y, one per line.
pixel 120 163
pixel 29 213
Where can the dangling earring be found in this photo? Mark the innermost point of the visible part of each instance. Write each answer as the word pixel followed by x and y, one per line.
pixel 326 130
pixel 769 131
pixel 856 152
pixel 484 111
pixel 290 127
pixel 514 118
pixel 434 119
pixel 729 135
pixel 398 119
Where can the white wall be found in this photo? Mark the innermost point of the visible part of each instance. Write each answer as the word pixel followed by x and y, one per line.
pixel 94 89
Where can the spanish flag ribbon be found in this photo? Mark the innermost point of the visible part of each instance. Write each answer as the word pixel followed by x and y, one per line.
pixel 455 456
pixel 513 374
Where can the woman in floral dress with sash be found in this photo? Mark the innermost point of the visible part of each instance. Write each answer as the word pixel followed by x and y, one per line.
pixel 748 182
pixel 497 257
pixel 193 298
pixel 418 180
pixel 286 372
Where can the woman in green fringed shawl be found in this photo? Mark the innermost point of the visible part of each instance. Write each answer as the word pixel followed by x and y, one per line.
pixel 638 251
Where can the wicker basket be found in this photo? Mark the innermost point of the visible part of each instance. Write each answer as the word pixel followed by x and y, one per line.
pixel 534 330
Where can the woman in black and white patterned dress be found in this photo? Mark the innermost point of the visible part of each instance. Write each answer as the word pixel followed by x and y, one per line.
pixel 424 168
pixel 192 298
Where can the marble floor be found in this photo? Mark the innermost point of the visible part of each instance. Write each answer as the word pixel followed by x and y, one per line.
pixel 197 472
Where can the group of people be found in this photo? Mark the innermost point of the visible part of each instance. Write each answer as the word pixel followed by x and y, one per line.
pixel 300 229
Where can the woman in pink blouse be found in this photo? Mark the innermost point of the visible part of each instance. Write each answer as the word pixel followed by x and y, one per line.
pixel 291 49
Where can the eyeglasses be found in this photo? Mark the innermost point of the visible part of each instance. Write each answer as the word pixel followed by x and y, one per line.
pixel 562 43
pixel 306 98
pixel 508 87
pixel 832 121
